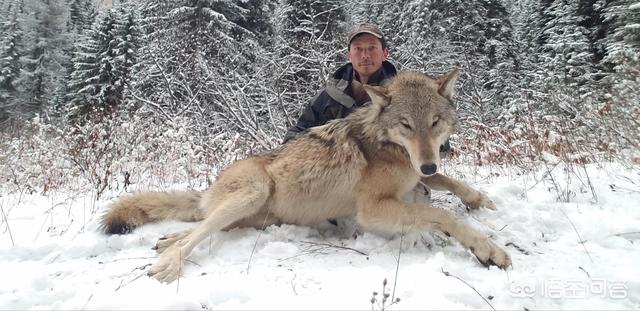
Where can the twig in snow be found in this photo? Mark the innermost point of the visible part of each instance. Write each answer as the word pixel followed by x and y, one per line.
pixel 465 283
pixel 593 189
pixel 623 234
pixel 293 285
pixel 121 285
pixel 331 245
pixel 86 303
pixel 395 278
pixel 547 173
pixel 580 240
pixel 6 221
pixel 121 259
pixel 255 245
pixel 179 272
pixel 585 271
pixel 520 249
pixel 317 248
pixel 385 296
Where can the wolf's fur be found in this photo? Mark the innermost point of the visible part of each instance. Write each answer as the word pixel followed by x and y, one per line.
pixel 358 166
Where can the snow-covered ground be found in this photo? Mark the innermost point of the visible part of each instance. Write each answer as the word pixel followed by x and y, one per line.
pixel 574 236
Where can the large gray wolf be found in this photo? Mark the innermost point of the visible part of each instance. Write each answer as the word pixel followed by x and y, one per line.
pixel 359 166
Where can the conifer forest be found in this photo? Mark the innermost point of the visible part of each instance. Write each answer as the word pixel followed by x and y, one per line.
pixel 172 90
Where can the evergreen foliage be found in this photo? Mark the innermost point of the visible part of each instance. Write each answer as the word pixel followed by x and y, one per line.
pixel 104 64
pixel 238 68
pixel 9 61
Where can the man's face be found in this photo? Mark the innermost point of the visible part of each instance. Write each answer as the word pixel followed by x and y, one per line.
pixel 366 54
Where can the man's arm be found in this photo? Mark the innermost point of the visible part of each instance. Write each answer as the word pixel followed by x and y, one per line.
pixel 312 115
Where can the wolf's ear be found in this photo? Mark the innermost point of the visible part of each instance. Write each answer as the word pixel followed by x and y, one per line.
pixel 359 93
pixel 379 95
pixel 446 83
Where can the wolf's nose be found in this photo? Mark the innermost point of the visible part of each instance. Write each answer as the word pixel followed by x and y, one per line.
pixel 428 169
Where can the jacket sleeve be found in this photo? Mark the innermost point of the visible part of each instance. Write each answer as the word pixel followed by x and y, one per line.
pixel 313 115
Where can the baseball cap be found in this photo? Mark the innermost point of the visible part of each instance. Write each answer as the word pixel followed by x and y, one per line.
pixel 365 28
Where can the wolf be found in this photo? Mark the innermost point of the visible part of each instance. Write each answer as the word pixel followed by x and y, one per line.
pixel 358 166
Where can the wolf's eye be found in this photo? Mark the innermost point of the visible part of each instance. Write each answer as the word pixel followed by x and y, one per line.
pixel 406 124
pixel 435 121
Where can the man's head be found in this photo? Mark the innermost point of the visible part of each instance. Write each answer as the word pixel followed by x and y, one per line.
pixel 367 50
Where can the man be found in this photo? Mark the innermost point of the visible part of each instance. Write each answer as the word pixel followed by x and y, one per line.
pixel 368 64
pixel 367 52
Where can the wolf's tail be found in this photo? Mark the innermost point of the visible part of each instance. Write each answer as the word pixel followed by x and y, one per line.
pixel 136 209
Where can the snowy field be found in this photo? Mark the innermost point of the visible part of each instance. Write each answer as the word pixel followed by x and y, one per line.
pixel 574 236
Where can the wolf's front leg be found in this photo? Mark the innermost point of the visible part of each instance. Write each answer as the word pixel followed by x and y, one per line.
pixel 170 239
pixel 472 198
pixel 393 215
pixel 169 266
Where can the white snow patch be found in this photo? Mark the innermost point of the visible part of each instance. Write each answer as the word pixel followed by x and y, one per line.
pixel 573 236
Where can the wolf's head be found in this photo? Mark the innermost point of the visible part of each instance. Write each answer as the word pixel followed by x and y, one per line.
pixel 417 113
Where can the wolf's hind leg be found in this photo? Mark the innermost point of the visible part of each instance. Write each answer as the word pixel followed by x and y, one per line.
pixel 472 198
pixel 240 192
pixel 393 215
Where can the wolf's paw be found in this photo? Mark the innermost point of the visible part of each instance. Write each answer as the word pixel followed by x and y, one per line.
pixel 489 253
pixel 168 267
pixel 168 240
pixel 479 199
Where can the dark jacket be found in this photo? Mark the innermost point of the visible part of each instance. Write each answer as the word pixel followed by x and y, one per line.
pixel 336 100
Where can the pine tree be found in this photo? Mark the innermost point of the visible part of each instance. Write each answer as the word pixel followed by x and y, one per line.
pixel 310 44
pixel 81 15
pixel 128 33
pixel 440 34
pixel 191 43
pixel 567 51
pixel 93 88
pixel 622 65
pixel 44 63
pixel 312 25
pixel 622 43
pixel 257 19
pixel 386 15
pixel 104 64
pixel 10 51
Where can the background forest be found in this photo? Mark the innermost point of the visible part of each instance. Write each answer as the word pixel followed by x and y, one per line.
pixel 165 91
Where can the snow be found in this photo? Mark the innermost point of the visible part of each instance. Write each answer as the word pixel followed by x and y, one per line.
pixel 577 252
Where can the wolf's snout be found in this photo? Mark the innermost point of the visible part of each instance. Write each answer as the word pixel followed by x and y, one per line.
pixel 428 169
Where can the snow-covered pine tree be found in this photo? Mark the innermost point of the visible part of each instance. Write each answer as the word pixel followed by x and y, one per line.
pixel 189 44
pixel 622 44
pixel 567 50
pixel 419 45
pixel 129 37
pixel 81 15
pixel 310 44
pixel 204 62
pixel 10 50
pixel 92 88
pixel 312 29
pixel 522 100
pixel 438 34
pixel 387 15
pixel 44 63
pixel 621 63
